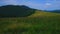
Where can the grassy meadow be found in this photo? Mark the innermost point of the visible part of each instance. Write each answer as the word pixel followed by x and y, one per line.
pixel 37 23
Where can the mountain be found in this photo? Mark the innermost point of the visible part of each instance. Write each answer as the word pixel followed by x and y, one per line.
pixel 54 11
pixel 15 11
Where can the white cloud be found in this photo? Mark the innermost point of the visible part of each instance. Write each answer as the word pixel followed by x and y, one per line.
pixel 47 5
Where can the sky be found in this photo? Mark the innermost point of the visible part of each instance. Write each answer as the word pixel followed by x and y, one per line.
pixel 37 4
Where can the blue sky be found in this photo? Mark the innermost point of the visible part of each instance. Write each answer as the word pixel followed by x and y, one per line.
pixel 37 4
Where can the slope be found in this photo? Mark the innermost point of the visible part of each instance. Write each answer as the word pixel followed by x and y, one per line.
pixel 38 23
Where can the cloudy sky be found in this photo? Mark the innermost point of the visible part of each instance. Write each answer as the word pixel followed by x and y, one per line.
pixel 37 4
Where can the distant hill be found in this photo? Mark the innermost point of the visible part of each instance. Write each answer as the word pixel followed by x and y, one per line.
pixel 15 11
pixel 54 11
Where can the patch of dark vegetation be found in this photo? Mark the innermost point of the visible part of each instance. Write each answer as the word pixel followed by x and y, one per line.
pixel 15 11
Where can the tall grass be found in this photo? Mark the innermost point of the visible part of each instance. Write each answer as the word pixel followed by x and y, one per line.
pixel 45 23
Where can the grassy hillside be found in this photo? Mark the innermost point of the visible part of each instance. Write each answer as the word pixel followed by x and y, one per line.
pixel 38 23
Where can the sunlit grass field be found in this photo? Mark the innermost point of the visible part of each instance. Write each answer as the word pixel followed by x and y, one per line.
pixel 38 23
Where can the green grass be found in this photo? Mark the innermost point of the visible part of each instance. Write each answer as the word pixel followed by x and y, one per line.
pixel 38 23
